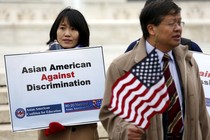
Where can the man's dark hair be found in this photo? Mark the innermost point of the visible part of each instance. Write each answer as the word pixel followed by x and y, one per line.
pixel 154 12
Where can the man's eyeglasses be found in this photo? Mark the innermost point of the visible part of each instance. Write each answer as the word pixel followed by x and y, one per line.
pixel 175 24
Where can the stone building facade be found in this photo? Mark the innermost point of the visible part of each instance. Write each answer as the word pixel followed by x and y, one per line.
pixel 25 22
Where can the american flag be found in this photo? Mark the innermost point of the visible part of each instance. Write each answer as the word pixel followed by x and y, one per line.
pixel 141 92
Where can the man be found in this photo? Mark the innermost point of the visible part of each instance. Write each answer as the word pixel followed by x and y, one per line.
pixel 184 41
pixel 162 27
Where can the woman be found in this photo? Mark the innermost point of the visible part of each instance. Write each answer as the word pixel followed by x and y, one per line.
pixel 69 30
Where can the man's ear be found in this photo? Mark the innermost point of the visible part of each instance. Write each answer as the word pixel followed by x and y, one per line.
pixel 151 29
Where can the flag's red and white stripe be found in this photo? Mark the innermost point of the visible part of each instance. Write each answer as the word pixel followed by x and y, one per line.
pixel 136 103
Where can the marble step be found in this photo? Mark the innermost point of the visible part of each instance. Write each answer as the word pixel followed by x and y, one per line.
pixel 2 78
pixel 6 133
pixel 4 114
pixel 3 96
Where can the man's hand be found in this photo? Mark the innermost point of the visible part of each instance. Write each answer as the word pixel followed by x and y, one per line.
pixel 135 133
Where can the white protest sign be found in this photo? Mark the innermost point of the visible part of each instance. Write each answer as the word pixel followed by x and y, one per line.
pixel 65 86
pixel 204 69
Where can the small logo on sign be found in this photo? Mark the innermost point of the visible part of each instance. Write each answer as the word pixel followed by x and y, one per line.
pixel 20 113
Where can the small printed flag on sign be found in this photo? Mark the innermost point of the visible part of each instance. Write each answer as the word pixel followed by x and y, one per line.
pixel 141 92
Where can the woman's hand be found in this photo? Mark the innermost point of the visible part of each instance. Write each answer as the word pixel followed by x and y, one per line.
pixel 54 127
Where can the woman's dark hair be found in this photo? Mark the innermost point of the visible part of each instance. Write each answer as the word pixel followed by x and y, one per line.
pixel 154 12
pixel 76 20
